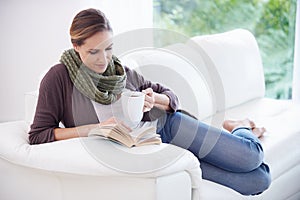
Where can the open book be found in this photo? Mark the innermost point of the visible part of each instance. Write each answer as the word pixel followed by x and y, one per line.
pixel 143 135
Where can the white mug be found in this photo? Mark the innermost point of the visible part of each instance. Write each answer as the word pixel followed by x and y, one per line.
pixel 132 105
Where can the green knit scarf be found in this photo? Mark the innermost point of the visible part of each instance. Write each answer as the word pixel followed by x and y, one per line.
pixel 101 88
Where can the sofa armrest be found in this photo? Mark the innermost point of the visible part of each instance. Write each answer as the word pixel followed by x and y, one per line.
pixel 95 156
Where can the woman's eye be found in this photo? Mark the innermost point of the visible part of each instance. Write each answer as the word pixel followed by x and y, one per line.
pixel 108 49
pixel 93 52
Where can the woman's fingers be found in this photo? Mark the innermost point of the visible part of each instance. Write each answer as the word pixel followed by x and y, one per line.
pixel 149 99
pixel 114 121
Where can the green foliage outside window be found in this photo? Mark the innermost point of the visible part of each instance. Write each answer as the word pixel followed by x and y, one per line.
pixel 271 21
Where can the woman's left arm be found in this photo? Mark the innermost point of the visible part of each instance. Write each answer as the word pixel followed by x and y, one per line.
pixel 157 95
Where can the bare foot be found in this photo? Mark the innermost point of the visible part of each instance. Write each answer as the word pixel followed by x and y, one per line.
pixel 259 132
pixel 229 125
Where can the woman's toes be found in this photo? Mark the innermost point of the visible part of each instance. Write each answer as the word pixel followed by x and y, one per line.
pixel 252 124
pixel 259 132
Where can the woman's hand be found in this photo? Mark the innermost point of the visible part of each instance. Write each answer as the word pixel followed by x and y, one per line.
pixel 152 99
pixel 110 121
pixel 113 121
pixel 149 99
pixel 83 131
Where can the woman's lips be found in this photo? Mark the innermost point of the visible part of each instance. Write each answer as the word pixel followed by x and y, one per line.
pixel 100 65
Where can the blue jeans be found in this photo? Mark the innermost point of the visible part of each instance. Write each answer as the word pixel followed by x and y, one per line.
pixel 234 160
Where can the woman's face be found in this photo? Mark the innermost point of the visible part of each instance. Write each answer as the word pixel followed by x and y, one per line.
pixel 96 51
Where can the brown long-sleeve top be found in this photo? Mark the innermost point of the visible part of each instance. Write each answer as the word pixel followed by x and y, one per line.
pixel 59 101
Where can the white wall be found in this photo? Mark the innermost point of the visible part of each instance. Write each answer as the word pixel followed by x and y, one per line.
pixel 125 15
pixel 34 34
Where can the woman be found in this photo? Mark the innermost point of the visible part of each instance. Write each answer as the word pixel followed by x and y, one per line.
pixel 81 91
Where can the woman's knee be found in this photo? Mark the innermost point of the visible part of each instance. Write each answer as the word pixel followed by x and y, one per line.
pixel 253 158
pixel 265 180
pixel 252 154
pixel 261 181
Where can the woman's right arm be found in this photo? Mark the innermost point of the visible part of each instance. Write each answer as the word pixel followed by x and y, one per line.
pixel 68 133
pixel 49 109
pixel 81 131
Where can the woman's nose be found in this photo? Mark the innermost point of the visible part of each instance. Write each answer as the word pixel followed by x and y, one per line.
pixel 101 57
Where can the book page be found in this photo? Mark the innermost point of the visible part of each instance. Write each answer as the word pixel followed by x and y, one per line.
pixel 144 133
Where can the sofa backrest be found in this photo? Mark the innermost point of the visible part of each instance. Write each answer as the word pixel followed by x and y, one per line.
pixel 169 67
pixel 208 73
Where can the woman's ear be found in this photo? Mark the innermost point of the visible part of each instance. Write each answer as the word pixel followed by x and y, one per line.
pixel 76 47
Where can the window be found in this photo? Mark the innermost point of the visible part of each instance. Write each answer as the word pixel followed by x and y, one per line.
pixel 271 21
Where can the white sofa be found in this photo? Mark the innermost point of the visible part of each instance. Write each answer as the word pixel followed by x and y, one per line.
pixel 215 76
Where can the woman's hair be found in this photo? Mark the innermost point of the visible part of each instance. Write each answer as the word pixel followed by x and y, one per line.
pixel 86 23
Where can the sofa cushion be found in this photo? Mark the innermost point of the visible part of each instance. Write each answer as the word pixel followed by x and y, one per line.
pixel 280 142
pixel 236 57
